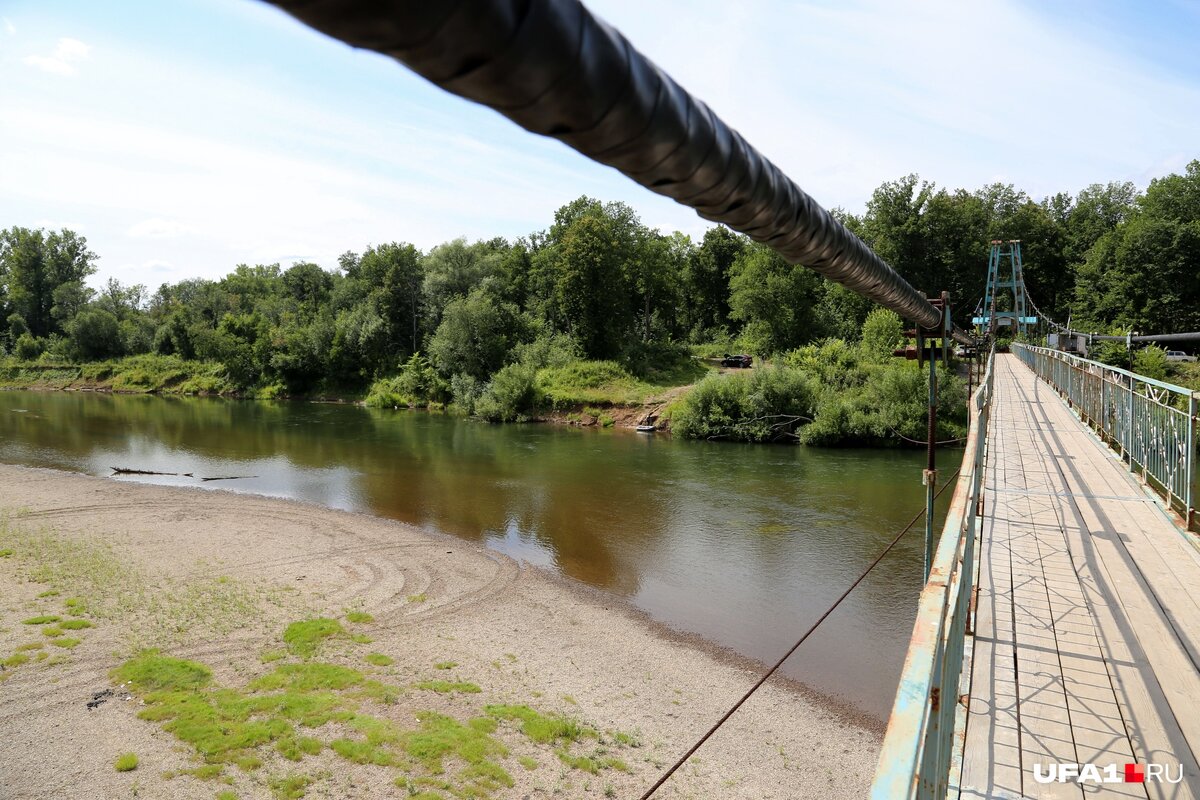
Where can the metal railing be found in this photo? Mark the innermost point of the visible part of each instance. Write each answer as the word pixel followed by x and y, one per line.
pixel 919 746
pixel 1151 423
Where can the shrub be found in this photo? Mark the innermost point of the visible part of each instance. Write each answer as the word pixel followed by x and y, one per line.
pixel 765 405
pixel 418 384
pixel 1152 362
pixel 28 347
pixel 882 332
pixel 511 396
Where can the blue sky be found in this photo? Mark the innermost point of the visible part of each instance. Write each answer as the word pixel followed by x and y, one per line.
pixel 183 138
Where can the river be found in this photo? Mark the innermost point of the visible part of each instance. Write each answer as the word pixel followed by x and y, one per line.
pixel 743 545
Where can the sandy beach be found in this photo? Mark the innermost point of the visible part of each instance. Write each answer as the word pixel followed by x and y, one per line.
pixel 423 631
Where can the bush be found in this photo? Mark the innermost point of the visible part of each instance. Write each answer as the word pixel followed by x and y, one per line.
pixel 417 385
pixel 465 390
pixel 95 334
pixel 28 347
pixel 511 396
pixel 1152 362
pixel 547 350
pixel 767 404
pixel 882 332
pixel 824 395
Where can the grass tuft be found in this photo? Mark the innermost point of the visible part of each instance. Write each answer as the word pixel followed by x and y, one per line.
pixel 74 624
pixel 445 665
pixel 66 642
pixel 304 637
pixel 379 659
pixel 126 762
pixel 446 687
pixel 542 728
pixel 359 616
pixel 44 619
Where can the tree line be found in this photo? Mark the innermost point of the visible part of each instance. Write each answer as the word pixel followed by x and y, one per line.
pixel 598 284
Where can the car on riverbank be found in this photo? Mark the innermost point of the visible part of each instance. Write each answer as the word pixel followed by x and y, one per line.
pixel 740 361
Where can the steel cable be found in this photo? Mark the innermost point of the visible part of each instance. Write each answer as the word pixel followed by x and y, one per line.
pixel 691 751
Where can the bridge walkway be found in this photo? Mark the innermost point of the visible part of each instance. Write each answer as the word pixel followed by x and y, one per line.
pixel 1087 635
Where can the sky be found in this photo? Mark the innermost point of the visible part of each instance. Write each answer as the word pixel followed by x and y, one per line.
pixel 184 138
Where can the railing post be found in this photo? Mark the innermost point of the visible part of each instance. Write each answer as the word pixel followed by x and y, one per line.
pixel 1190 469
pixel 930 474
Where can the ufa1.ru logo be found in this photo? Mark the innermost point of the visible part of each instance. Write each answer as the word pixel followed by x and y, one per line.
pixel 1110 773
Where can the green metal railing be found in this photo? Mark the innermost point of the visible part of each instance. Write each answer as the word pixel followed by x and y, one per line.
pixel 919 747
pixel 1151 423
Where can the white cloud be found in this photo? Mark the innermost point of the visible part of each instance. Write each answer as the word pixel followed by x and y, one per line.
pixel 67 53
pixel 9 28
pixel 156 228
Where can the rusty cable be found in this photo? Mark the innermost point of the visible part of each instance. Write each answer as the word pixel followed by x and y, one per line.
pixel 683 759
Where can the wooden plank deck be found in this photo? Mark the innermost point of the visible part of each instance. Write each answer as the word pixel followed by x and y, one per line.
pixel 1087 638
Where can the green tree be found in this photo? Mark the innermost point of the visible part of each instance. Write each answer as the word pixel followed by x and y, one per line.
pixel 476 335
pixel 774 299
pixel 34 264
pixel 95 334
pixel 706 280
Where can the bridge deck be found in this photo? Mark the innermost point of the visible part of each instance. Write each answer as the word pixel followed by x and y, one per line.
pixel 1087 638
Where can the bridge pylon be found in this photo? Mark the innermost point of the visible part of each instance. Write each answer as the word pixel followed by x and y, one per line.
pixel 999 280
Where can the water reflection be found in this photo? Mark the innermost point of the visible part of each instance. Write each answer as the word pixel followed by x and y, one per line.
pixel 744 545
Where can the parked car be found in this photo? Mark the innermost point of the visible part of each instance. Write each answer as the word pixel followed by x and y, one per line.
pixel 1179 355
pixel 737 362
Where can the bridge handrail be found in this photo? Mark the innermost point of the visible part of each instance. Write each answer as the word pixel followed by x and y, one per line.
pixel 918 748
pixel 1150 423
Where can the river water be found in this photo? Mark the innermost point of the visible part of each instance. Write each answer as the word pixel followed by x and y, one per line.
pixel 744 545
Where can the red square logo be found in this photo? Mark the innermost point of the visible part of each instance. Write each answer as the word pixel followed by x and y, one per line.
pixel 1135 773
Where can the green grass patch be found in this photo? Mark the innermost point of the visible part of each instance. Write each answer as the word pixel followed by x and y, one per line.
pixel 32 646
pixel 49 593
pixel 74 624
pixel 417 598
pixel 304 637
pixel 308 676
pixel 359 617
pixel 15 660
pixel 541 728
pixel 126 762
pixel 378 659
pixel 66 642
pixel 269 656
pixel 227 794
pixel 360 638
pixel 445 665
pixel 446 687
pixel 44 619
pixel 441 737
pixel 626 739
pixel 6 552
pixel 150 671
pixel 527 762
pixel 290 787
pixel 53 630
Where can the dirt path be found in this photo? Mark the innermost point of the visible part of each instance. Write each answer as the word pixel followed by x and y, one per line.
pixel 216 577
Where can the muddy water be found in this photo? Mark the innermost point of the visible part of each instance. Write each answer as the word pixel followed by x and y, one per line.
pixel 743 545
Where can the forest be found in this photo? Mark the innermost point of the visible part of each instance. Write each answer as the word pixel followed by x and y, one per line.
pixel 497 327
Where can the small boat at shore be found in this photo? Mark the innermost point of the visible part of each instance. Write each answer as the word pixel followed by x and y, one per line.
pixel 646 428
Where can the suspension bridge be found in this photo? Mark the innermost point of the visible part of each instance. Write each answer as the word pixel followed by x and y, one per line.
pixel 1056 651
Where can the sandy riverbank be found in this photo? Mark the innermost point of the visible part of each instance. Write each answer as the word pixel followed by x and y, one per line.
pixel 216 577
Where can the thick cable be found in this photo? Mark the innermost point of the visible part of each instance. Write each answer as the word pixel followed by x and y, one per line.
pixel 556 70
